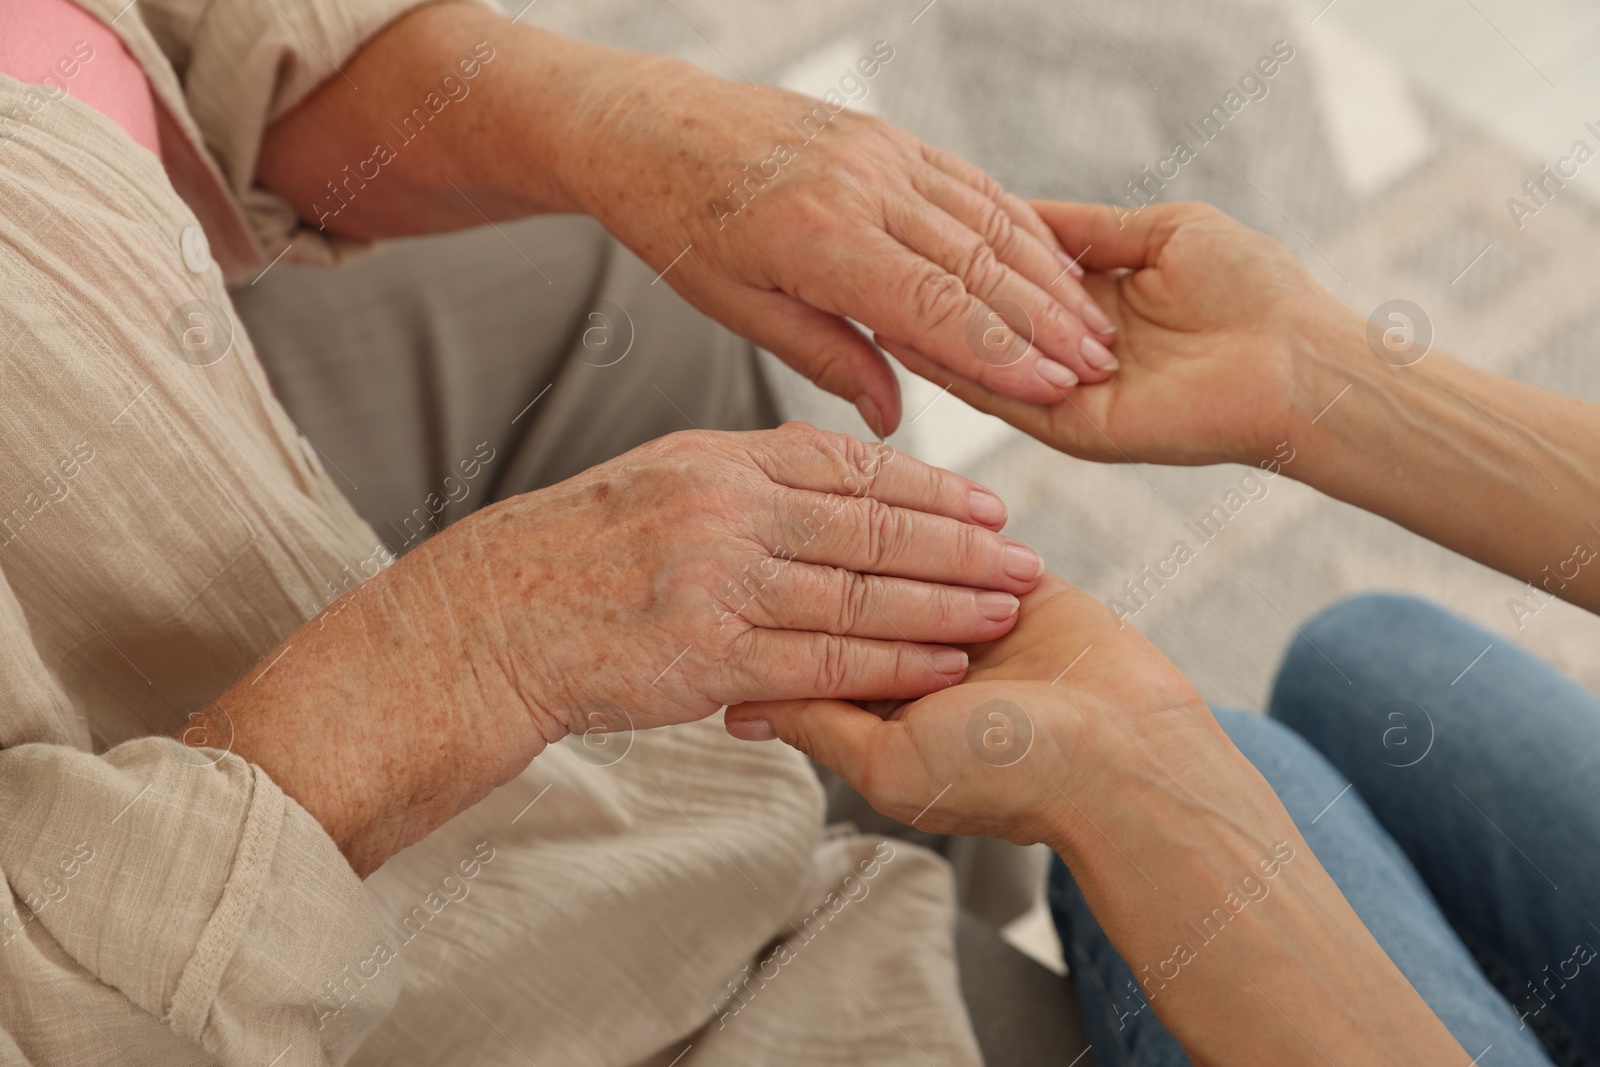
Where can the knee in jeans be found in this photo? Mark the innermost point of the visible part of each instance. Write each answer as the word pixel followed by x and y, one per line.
pixel 1372 622
pixel 1353 659
pixel 1364 637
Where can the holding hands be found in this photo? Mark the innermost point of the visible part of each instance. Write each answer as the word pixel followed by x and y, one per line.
pixel 1045 714
pixel 1214 323
pixel 699 570
pixel 1229 350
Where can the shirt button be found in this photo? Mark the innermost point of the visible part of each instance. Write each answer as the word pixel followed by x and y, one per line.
pixel 196 251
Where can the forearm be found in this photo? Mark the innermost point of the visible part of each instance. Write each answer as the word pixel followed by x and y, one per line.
pixel 1498 470
pixel 1237 937
pixel 461 115
pixel 391 711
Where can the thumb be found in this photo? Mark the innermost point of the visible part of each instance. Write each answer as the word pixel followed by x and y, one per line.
pixel 837 734
pixel 825 348
pixel 1108 236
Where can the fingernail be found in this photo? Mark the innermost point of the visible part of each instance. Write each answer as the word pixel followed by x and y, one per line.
pixel 1073 266
pixel 949 661
pixel 1056 374
pixel 1095 317
pixel 1098 354
pixel 870 414
pixel 1022 563
pixel 986 508
pixel 997 606
pixel 752 730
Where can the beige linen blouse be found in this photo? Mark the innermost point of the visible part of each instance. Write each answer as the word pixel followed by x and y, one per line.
pixel 162 525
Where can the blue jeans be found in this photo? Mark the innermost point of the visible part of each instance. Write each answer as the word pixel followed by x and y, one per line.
pixel 1457 808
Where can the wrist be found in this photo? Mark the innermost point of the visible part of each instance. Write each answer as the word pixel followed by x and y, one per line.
pixel 385 715
pixel 463 573
pixel 1361 395
pixel 1327 343
pixel 607 131
pixel 1337 375
pixel 1138 775
pixel 554 103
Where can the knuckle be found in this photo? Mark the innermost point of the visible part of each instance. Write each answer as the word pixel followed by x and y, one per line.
pixel 938 299
pixel 681 441
pixel 979 267
pixel 789 438
pixel 1054 318
pixel 832 668
pixel 857 457
pixel 932 154
pixel 973 548
pixel 853 602
pixel 813 216
pixel 882 530
pixel 944 609
pixel 827 446
pixel 680 445
pixel 987 184
pixel 998 229
pixel 825 442
pixel 851 460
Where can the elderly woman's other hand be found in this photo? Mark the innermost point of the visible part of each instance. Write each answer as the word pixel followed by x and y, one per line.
pixel 791 214
pixel 706 569
pixel 699 570
pixel 779 215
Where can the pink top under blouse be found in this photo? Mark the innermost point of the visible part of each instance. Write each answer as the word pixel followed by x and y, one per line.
pixel 58 45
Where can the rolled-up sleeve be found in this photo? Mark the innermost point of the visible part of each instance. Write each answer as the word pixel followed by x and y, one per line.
pixel 188 882
pixel 242 64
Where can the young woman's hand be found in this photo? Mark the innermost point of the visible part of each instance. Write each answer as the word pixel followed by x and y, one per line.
pixel 1218 328
pixel 1077 733
pixel 1041 716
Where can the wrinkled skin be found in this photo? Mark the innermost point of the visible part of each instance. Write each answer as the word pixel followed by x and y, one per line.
pixel 864 221
pixel 704 569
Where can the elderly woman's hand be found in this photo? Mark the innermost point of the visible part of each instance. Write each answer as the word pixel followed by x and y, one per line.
pixel 699 570
pixel 780 216
pixel 705 569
